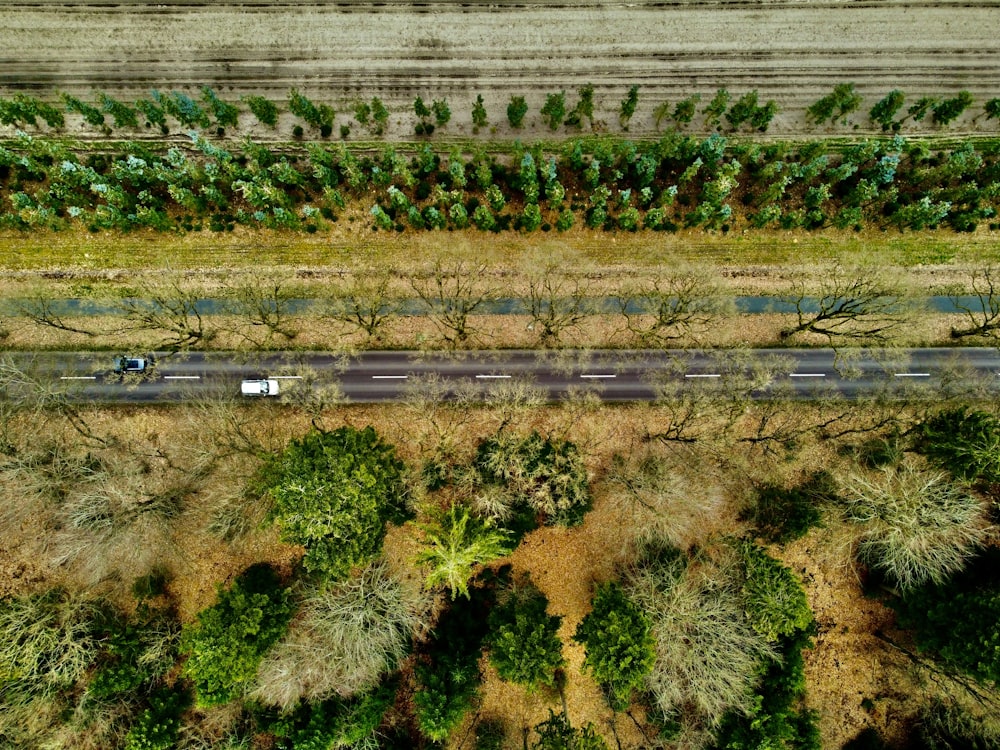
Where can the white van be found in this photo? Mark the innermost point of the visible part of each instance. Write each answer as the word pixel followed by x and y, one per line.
pixel 259 388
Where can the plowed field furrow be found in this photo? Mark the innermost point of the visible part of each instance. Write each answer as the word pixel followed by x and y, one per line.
pixel 792 52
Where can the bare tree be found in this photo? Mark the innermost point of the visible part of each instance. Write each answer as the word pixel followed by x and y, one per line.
pixel 983 314
pixel 673 305
pixel 42 311
pixel 848 304
pixel 346 637
pixel 557 303
pixel 170 310
pixel 452 293
pixel 265 304
pixel 366 304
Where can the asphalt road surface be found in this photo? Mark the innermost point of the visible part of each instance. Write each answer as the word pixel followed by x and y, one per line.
pixel 617 376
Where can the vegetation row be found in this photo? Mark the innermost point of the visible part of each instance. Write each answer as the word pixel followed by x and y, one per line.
pixel 615 185
pixel 722 111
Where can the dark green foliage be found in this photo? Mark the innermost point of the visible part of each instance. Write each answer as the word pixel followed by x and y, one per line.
pixel 24 109
pixel 380 115
pixel 762 115
pixel 91 115
pixel 123 115
pixel 959 621
pixel 774 598
pixel 947 110
pixel 442 112
pixel 489 735
pixel 420 109
pixel 842 101
pixel 716 108
pixel 362 112
pixel 919 109
pixel 516 110
pixel 335 722
pixel 523 641
pixel 556 733
pixel 155 116
pixel 778 718
pixel 554 109
pixel 158 726
pixel 584 108
pixel 783 515
pixel 447 673
pixel 263 109
pixel 884 111
pixel 684 110
pixel 742 110
pixel 226 114
pixel 478 112
pixel 628 105
pixel 992 109
pixel 317 116
pixel 134 652
pixel 620 650
pixel 333 493
pixel 225 645
pixel 966 443
pixel 548 474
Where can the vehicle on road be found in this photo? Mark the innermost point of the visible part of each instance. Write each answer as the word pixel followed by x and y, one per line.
pixel 264 387
pixel 133 365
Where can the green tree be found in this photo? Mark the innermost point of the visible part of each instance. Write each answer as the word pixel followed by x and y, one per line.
pixel 317 116
pixel 716 108
pixel 263 109
pixel 947 110
pixel 966 443
pixel 620 649
pixel 158 726
pixel 455 544
pixel 958 620
pixel 742 110
pixel 775 600
pixel 478 113
pixel 583 109
pixel 556 733
pixel 516 110
pixel 91 115
pixel 884 111
pixel 227 641
pixel 628 105
pixel 333 493
pixel 842 101
pixel 442 113
pixel 226 114
pixel 919 109
pixel 523 641
pixel 684 110
pixel 123 115
pixel 554 109
pixel 992 109
pixel 420 109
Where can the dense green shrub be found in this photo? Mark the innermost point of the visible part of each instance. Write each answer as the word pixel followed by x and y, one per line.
pixel 263 109
pixel 958 620
pixel 783 515
pixel 774 598
pixel 134 652
pixel 226 643
pixel 447 672
pixel 333 723
pixel 966 443
pixel 523 641
pixel 333 493
pixel 516 110
pixel 157 726
pixel 620 650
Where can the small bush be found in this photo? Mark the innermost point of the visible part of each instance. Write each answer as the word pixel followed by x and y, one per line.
pixel 516 110
pixel 965 443
pixel 263 109
pixel 523 641
pixel 226 643
pixel 158 726
pixel 783 515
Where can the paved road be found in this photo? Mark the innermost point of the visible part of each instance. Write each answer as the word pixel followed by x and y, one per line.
pixel 372 377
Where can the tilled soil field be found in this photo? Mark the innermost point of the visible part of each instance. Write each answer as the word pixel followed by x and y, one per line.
pixel 342 51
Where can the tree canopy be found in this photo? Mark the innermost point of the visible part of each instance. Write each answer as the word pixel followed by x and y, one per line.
pixel 333 493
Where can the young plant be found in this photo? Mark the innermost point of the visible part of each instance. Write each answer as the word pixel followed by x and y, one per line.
pixel 523 641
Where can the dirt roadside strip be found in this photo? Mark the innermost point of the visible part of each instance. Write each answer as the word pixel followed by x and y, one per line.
pixel 792 52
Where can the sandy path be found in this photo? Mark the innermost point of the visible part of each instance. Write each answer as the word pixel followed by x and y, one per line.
pixel 790 51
